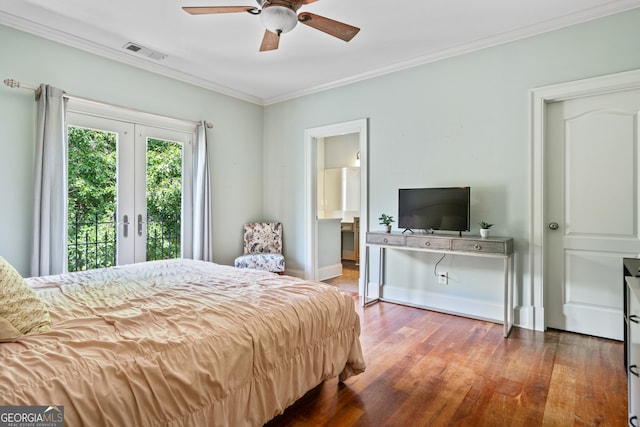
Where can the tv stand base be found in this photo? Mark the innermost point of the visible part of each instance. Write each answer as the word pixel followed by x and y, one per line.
pixel 490 247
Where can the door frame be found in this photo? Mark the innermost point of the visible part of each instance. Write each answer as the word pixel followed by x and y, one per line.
pixel 539 98
pixel 311 136
pixel 163 128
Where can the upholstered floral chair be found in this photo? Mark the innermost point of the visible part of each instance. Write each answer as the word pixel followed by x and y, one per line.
pixel 262 247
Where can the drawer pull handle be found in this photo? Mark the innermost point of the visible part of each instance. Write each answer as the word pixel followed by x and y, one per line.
pixel 634 370
pixel 427 243
pixel 385 240
pixel 477 247
pixel 634 318
pixel 633 421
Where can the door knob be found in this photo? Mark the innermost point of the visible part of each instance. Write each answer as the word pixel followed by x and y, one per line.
pixel 553 226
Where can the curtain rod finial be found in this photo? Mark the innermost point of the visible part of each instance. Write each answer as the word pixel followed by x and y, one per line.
pixel 12 83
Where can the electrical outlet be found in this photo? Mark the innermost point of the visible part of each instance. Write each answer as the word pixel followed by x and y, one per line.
pixel 443 278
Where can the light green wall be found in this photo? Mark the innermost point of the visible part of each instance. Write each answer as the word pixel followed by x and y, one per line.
pixel 459 121
pixel 235 141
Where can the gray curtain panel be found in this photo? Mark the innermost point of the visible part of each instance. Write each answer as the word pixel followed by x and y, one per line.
pixel 202 233
pixel 49 242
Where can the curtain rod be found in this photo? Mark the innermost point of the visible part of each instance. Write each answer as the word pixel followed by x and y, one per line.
pixel 16 84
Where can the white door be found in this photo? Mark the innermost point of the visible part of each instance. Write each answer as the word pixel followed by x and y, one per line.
pixel 145 169
pixel 591 210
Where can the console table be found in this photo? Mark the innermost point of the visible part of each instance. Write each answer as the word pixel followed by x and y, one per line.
pixel 489 247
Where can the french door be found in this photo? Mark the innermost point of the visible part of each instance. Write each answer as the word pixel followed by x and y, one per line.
pixel 129 192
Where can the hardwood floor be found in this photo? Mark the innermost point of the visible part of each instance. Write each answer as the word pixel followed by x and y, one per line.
pixel 349 279
pixel 430 369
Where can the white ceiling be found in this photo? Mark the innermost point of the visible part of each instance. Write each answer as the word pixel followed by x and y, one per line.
pixel 220 52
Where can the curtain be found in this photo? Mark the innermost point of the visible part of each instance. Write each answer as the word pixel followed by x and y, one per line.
pixel 202 233
pixel 49 243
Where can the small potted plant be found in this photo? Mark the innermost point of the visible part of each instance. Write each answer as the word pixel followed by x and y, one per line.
pixel 386 220
pixel 484 228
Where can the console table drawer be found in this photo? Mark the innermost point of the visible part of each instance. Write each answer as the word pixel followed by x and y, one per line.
pixel 443 243
pixel 428 242
pixel 386 239
pixel 480 245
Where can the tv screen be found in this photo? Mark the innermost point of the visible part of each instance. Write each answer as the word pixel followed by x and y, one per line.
pixel 434 208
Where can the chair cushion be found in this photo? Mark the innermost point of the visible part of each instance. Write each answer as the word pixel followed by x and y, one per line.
pixel 263 238
pixel 268 262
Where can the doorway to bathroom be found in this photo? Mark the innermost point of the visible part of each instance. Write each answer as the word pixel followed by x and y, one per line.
pixel 337 203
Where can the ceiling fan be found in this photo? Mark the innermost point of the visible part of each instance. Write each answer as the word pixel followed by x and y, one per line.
pixel 280 16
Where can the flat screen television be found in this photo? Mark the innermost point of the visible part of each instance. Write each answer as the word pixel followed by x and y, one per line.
pixel 434 209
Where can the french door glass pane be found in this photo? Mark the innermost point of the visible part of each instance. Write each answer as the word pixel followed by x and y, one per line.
pixel 164 198
pixel 91 238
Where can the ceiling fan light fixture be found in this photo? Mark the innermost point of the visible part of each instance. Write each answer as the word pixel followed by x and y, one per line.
pixel 278 19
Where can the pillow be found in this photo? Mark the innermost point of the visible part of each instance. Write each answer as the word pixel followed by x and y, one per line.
pixel 19 303
pixel 7 332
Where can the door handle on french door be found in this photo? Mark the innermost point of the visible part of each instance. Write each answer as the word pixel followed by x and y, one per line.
pixel 140 222
pixel 125 224
pixel 553 226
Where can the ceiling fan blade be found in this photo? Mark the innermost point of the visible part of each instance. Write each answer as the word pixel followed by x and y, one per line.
pixel 334 28
pixel 205 10
pixel 307 1
pixel 270 41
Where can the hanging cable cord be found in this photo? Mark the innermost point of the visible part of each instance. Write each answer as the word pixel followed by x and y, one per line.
pixel 16 84
pixel 435 267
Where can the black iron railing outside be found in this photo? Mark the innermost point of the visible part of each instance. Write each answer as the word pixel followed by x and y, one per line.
pixel 92 241
pixel 163 239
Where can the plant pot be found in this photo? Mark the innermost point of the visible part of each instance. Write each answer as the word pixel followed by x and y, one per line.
pixel 484 232
pixel 387 228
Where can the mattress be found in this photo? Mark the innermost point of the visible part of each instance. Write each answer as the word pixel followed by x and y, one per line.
pixel 180 343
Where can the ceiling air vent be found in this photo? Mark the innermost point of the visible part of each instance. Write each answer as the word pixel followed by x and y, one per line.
pixel 144 51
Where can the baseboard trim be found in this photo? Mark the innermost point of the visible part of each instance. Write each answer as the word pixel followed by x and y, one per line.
pixel 523 317
pixel 482 310
pixel 324 273
pixel 329 272
pixel 295 273
pixel 539 319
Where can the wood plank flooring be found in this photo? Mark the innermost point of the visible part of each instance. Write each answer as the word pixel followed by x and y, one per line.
pixel 431 369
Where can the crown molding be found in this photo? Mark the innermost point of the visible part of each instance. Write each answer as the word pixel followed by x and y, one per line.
pixel 123 57
pixel 519 34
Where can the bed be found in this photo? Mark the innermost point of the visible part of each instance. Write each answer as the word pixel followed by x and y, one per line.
pixel 180 343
